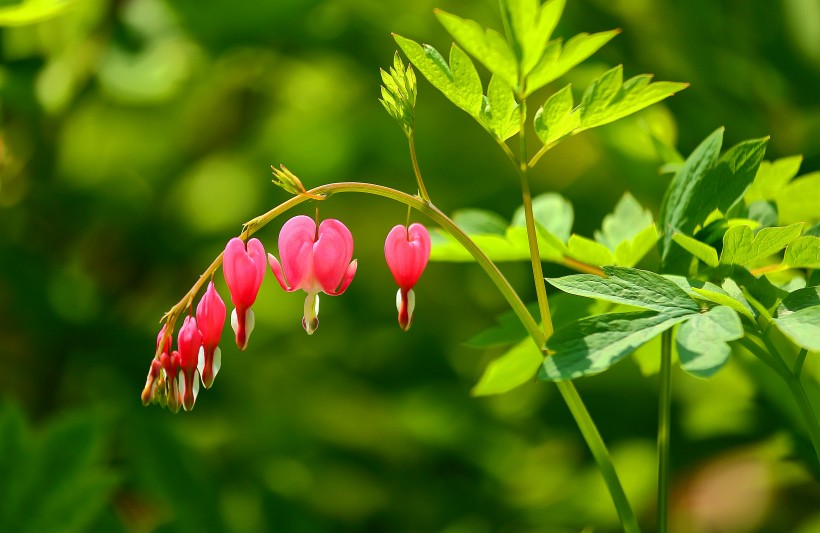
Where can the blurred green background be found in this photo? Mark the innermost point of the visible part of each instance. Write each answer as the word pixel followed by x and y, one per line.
pixel 137 137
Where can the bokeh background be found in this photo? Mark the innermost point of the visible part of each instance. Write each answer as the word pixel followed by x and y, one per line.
pixel 137 137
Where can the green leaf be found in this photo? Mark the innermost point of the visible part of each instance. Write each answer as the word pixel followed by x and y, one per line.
pixel 628 253
pixel 552 211
pixel 501 114
pixel 458 81
pixel 489 48
pixel 629 286
pixel 771 177
pixel 512 369
pixel 705 183
pixel 742 247
pixel 798 201
pixel 798 317
pixel 719 296
pixel 512 246
pixel 33 11
pixel 701 250
pixel 702 340
pixel 530 27
pixel 607 99
pixel 593 344
pixel 480 222
pixel 557 60
pixel 556 118
pixel 589 251
pixel 803 253
pixel 399 94
pixel 507 330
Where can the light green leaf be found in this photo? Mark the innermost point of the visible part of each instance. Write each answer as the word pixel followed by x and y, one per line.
pixel 530 27
pixel 702 340
pixel 742 247
pixel 803 253
pixel 721 298
pixel 512 246
pixel 706 183
pixel 552 211
pixel 589 251
pixel 516 367
pixel 701 250
pixel 501 114
pixel 556 118
pixel 593 344
pixel 627 220
pixel 798 201
pixel 798 317
pixel 480 222
pixel 557 60
pixel 628 253
pixel 458 81
pixel 771 177
pixel 607 99
pixel 399 94
pixel 629 286
pixel 507 330
pixel 33 11
pixel 489 48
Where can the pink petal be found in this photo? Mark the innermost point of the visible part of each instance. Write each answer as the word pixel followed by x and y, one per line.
pixel 296 250
pixel 210 317
pixel 244 270
pixel 407 252
pixel 276 268
pixel 189 341
pixel 331 255
pixel 348 277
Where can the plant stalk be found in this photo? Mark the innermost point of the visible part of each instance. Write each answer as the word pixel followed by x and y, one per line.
pixel 419 181
pixel 664 420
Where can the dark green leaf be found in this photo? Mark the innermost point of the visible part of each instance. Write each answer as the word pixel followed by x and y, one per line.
pixel 702 340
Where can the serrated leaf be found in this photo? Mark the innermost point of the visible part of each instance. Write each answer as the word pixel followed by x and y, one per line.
pixel 629 253
pixel 530 27
pixel 771 177
pixel 488 47
pixel 593 344
pixel 629 286
pixel 799 201
pixel 608 100
pixel 501 114
pixel 557 60
pixel 516 367
pixel 798 317
pixel 705 183
pixel 702 340
pixel 458 81
pixel 628 219
pixel 701 250
pixel 552 211
pixel 556 118
pixel 589 251
pixel 803 253
pixel 742 247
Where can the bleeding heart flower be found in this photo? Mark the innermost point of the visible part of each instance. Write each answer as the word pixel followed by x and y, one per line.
pixel 407 251
pixel 189 343
pixel 153 381
pixel 210 316
pixel 170 365
pixel 314 261
pixel 244 270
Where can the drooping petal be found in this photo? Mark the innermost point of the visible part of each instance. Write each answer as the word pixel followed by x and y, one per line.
pixel 244 270
pixel 296 251
pixel 405 304
pixel 242 322
pixel 210 316
pixel 332 254
pixel 189 343
pixel 348 277
pixel 407 251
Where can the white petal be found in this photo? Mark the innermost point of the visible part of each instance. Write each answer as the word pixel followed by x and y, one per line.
pixel 196 385
pixel 217 362
pixel 250 321
pixel 398 300
pixel 200 365
pixel 411 303
pixel 234 321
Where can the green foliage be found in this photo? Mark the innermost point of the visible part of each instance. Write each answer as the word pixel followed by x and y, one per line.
pixel 704 183
pixel 516 367
pixel 33 11
pixel 701 250
pixel 399 94
pixel 702 341
pixel 529 26
pixel 742 247
pixel 501 114
pixel 629 231
pixel 804 252
pixel 798 317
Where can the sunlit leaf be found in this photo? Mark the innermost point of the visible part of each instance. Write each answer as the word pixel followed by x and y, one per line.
pixel 530 26
pixel 803 253
pixel 798 317
pixel 516 367
pixel 589 252
pixel 501 114
pixel 742 247
pixel 771 177
pixel 33 11
pixel 556 118
pixel 702 340
pixel 798 201
pixel 701 250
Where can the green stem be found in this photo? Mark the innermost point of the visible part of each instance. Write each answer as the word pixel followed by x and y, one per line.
pixel 798 364
pixel 664 419
pixel 416 170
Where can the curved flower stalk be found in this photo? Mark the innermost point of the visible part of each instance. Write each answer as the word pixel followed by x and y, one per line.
pixel 407 250
pixel 244 269
pixel 210 316
pixel 314 260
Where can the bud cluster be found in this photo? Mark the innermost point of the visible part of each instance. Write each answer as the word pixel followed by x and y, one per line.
pixel 315 259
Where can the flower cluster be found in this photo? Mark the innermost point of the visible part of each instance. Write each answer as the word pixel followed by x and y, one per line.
pixel 315 259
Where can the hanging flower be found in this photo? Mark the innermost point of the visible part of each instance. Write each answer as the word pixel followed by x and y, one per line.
pixel 314 261
pixel 189 344
pixel 407 251
pixel 210 316
pixel 244 270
